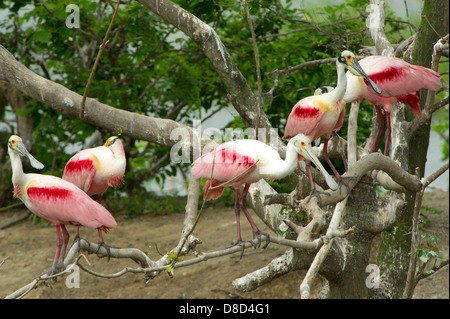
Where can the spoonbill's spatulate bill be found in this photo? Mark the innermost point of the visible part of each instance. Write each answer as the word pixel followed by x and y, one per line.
pixel 55 200
pixel 398 80
pixel 246 162
pixel 321 114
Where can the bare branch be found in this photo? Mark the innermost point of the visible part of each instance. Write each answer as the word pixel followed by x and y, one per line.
pixel 374 161
pixel 102 47
pixel 441 170
pixel 258 68
pixel 289 69
pixel 376 27
pixel 209 42
pixel 164 132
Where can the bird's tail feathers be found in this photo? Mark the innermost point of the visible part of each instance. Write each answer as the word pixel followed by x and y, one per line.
pixel 213 193
pixel 412 99
pixel 104 229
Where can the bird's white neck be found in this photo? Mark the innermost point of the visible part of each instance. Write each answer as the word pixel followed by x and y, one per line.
pixel 338 93
pixel 288 165
pixel 17 170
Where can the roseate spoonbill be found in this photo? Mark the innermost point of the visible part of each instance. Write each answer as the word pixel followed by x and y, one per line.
pixel 95 169
pixel 55 200
pixel 398 80
pixel 321 114
pixel 245 162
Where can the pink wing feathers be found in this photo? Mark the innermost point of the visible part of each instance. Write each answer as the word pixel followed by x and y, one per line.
pixel 341 118
pixel 68 205
pixel 80 172
pixel 228 163
pixel 396 77
pixel 303 118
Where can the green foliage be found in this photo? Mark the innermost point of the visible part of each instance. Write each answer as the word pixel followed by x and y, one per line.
pixel 440 126
pixel 151 68
pixel 142 203
pixel 428 254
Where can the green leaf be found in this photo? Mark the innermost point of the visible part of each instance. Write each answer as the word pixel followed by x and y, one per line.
pixel 42 36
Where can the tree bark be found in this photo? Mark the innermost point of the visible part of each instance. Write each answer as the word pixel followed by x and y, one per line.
pixel 395 245
pixel 348 257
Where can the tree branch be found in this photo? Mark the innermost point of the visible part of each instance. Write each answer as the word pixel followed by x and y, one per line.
pixel 209 42
pixel 161 131
pixel 376 21
pixel 102 47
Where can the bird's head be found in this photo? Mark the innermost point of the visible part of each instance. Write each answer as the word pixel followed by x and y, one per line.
pixel 110 141
pixel 16 145
pixel 323 90
pixel 302 146
pixel 348 59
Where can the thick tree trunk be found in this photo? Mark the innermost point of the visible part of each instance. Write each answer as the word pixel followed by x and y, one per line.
pixel 395 246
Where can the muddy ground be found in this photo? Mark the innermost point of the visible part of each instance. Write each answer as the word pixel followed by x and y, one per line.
pixel 27 249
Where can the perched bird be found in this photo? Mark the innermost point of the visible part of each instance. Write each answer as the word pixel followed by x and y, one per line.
pixel 243 162
pixel 321 114
pixel 95 169
pixel 398 80
pixel 55 200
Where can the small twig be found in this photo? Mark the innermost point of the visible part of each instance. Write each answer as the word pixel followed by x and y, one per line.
pixel 434 269
pixel 425 17
pixel 407 17
pixel 43 278
pixel 258 68
pixel 3 261
pixel 7 208
pixel 289 69
pixel 427 181
pixel 234 178
pixel 175 259
pixel 199 213
pixel 102 46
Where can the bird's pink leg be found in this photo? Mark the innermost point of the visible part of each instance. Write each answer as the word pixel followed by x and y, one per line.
pixel 256 232
pixel 244 209
pixel 308 169
pixel 342 180
pixel 325 155
pixel 59 244
pixel 388 133
pixel 64 247
pixel 102 243
pixel 237 213
pixel 314 191
pixel 380 129
pixel 77 238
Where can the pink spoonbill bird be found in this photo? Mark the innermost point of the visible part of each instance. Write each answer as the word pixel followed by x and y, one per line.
pixel 95 169
pixel 55 200
pixel 243 162
pixel 398 80
pixel 321 114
